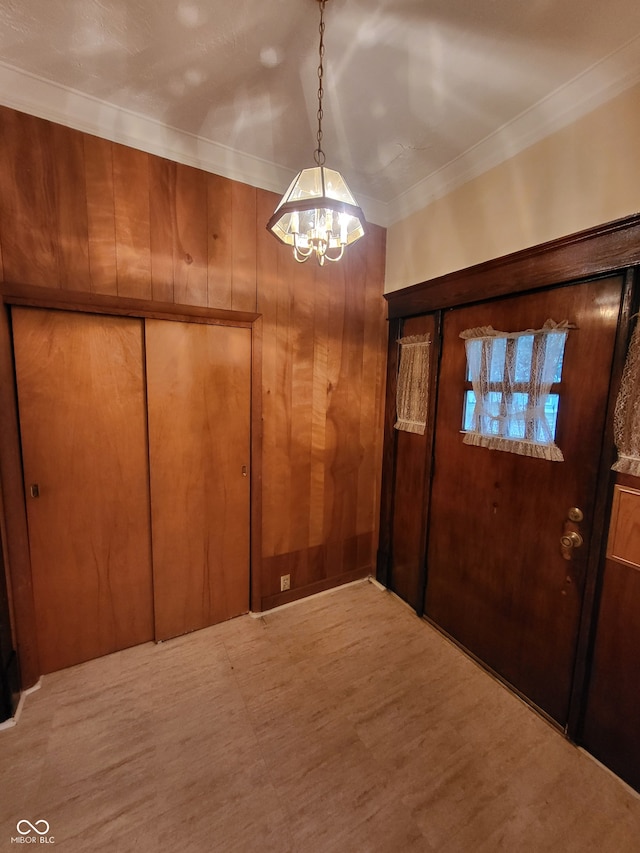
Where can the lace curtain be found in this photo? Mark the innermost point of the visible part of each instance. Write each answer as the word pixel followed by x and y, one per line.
pixel 512 373
pixel 412 397
pixel 626 419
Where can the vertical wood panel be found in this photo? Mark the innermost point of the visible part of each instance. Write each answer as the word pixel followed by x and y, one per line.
pixel 28 226
pixel 256 466
pixel 101 217
pixel 133 237
pixel 269 254
pixel 191 245
pixel 374 379
pixel 162 203
pixel 199 409
pixel 220 241
pixel 243 230
pixel 82 417
pixel 301 396
pixel 67 151
pixel 322 289
pixel 178 216
pixel 280 420
pixel 324 329
pixel 358 393
pixel 335 481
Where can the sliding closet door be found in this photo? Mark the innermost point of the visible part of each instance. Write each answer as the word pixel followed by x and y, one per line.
pixel 198 390
pixel 82 418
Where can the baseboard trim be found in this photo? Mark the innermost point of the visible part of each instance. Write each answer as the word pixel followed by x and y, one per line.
pixel 322 592
pixel 271 601
pixel 13 721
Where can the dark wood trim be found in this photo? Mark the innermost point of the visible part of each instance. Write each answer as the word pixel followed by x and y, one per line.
pixel 601 516
pixel 93 303
pixel 586 254
pixel 272 601
pixel 256 467
pixel 434 383
pixel 383 560
pixel 15 529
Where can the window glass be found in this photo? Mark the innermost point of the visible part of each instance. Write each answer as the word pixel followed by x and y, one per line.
pixel 551 415
pixel 511 406
pixel 469 409
pixel 524 349
pixel 498 349
pixel 517 424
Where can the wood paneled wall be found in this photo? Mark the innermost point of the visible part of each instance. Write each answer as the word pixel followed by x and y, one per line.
pixel 82 214
pixel 610 725
pixel 323 379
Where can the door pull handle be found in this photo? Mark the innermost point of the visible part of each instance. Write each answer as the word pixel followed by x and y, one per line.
pixel 34 490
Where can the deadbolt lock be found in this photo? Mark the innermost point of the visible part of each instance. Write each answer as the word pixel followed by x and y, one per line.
pixel 575 514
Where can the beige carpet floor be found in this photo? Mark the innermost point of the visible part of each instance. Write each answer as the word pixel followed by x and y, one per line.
pixel 342 723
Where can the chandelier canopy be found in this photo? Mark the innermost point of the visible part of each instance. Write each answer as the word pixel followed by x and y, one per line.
pixel 318 213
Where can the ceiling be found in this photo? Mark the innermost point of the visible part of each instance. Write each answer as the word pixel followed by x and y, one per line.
pixel 420 95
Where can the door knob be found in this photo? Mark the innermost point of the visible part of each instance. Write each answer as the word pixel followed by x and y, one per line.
pixel 569 541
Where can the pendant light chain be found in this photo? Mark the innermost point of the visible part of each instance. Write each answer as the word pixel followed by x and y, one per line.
pixel 318 216
pixel 318 154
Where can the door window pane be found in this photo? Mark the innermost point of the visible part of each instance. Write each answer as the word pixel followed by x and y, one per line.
pixel 511 406
pixel 524 349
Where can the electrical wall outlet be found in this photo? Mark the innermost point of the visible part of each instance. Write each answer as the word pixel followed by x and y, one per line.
pixel 285 582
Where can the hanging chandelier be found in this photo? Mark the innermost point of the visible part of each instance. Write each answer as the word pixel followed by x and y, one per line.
pixel 318 214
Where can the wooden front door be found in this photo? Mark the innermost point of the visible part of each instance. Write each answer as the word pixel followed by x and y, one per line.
pixel 497 580
pixel 199 393
pixel 82 417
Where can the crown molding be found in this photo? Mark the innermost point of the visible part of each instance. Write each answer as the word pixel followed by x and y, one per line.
pixel 39 97
pixel 595 86
pixel 604 80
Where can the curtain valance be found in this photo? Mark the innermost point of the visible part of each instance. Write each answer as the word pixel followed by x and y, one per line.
pixel 412 397
pixel 626 419
pixel 511 373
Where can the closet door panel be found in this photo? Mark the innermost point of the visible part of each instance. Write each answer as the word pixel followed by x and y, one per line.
pixel 81 397
pixel 198 391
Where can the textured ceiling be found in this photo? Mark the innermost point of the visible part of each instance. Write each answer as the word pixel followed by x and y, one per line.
pixel 415 89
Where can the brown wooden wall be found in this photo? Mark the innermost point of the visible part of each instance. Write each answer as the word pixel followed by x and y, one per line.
pixel 610 726
pixel 82 214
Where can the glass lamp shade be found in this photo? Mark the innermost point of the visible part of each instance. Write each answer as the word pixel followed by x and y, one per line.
pixel 317 215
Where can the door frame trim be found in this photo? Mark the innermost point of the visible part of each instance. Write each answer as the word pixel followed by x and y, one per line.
pixel 605 481
pixel 14 520
pixel 606 248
